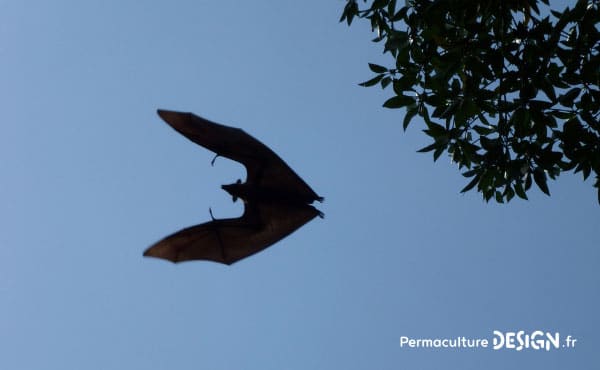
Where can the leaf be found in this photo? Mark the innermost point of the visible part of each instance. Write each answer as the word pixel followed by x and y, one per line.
pixel 586 171
pixel 399 101
pixel 488 181
pixel 568 98
pixel 521 121
pixel 401 14
pixel 527 92
pixel 350 11
pixel 484 130
pixel 471 184
pixel 471 173
pixel 540 179
pixel 597 185
pixel 428 148
pixel 520 192
pixel 424 112
pixel 378 4
pixel 561 114
pixel 404 83
pixel 391 8
pixel 377 68
pixel 374 81
pixel 385 82
pixel 435 130
pixel 411 111
pixel 489 144
pixel 548 89
pixel 509 193
pixel 438 152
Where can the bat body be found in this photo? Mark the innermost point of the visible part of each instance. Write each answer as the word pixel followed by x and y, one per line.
pixel 276 200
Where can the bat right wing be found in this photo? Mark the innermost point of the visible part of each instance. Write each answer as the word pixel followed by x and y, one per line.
pixel 263 166
pixel 230 240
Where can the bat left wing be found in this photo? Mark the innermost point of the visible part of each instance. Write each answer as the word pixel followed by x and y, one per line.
pixel 230 240
pixel 263 166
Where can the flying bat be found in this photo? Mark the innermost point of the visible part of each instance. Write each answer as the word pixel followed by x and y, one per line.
pixel 276 200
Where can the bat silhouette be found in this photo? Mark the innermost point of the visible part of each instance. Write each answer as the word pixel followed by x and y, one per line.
pixel 276 200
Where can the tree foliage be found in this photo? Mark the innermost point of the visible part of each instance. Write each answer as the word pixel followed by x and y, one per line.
pixel 510 91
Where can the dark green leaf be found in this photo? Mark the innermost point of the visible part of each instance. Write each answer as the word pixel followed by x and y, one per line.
pixel 350 11
pixel 404 83
pixel 520 192
pixel 428 148
pixel 401 14
pixel 399 101
pixel 378 4
pixel 435 130
pixel 568 98
pixel 385 82
pixel 528 181
pixel 374 81
pixel 587 169
pixel 548 89
pixel 471 184
pixel 561 114
pixel 484 130
pixel 540 179
pixel 471 173
pixel 509 193
pixel 411 111
pixel 391 8
pixel 489 144
pixel 597 185
pixel 438 152
pixel 377 68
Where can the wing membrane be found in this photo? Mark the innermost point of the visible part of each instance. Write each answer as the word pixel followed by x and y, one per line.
pixel 230 240
pixel 263 166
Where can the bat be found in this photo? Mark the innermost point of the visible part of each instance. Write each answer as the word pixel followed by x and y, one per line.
pixel 276 200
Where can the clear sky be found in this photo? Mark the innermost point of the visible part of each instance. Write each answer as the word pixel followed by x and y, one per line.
pixel 90 177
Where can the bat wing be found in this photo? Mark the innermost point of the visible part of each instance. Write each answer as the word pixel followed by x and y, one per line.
pixel 230 240
pixel 263 166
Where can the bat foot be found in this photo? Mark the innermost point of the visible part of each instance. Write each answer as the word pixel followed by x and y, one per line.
pixel 212 163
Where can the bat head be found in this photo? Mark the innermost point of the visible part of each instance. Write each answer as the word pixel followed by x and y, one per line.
pixel 236 190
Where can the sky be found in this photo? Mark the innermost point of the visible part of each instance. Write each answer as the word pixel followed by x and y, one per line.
pixel 90 177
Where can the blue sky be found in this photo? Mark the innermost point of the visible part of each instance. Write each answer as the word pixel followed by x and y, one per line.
pixel 91 176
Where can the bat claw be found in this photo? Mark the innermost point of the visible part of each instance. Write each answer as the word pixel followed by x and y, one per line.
pixel 211 214
pixel 212 163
